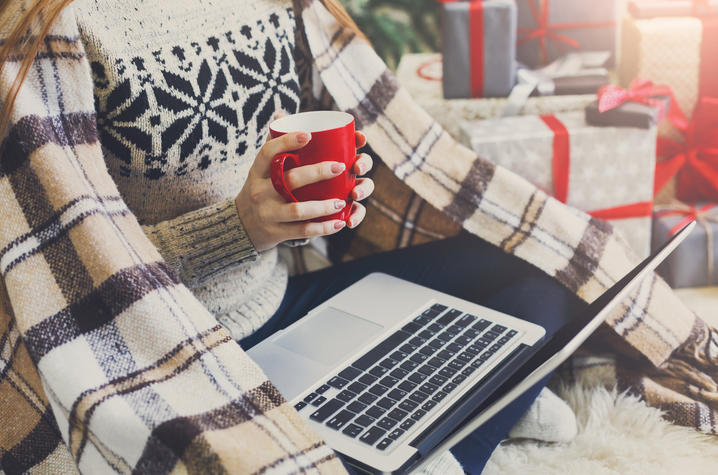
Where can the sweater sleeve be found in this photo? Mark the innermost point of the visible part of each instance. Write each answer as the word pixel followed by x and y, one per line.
pixel 203 243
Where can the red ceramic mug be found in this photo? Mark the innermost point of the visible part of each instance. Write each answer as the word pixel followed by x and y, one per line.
pixel 332 140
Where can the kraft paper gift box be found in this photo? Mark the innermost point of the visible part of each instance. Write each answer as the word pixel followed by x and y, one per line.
pixel 478 43
pixel 606 171
pixel 678 51
pixel 695 262
pixel 421 75
pixel 547 29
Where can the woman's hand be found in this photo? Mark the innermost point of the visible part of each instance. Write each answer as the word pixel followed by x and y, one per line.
pixel 269 219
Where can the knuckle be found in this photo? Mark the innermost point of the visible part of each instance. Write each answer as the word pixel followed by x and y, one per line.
pixel 295 210
pixel 305 230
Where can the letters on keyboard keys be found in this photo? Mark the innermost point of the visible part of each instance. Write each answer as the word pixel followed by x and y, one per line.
pixel 338 421
pixel 337 382
pixel 381 350
pixel 387 423
pixel 384 444
pixel 352 430
pixel 364 420
pixel 372 435
pixel 356 407
pixel 319 401
pixel 326 410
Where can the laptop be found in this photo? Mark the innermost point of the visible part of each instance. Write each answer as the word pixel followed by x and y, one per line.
pixel 391 374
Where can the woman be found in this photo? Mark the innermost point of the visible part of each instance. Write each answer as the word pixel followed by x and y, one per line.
pixel 183 93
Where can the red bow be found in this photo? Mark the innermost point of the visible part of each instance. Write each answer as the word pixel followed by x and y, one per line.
pixel 544 31
pixel 644 91
pixel 695 160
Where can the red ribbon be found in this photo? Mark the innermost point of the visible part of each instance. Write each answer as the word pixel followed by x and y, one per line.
pixel 561 171
pixel 645 92
pixel 476 47
pixel 561 156
pixel 695 160
pixel 545 31
pixel 690 213
pixel 708 76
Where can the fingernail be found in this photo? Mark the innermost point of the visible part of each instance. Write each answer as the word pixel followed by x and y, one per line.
pixel 338 167
pixel 340 204
pixel 304 137
pixel 339 224
pixel 360 195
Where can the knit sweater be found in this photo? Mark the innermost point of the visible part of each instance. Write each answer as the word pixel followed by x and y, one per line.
pixel 184 92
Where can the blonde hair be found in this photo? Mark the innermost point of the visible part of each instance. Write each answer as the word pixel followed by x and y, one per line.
pixel 26 24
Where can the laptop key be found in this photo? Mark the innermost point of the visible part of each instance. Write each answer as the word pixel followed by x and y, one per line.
pixel 438 379
pixel 356 387
pixel 428 388
pixel 511 333
pixel 458 379
pixel 428 405
pixel 381 350
pixel 417 341
pixel 407 348
pixel 326 410
pixel 375 412
pixel 388 363
pixel 408 405
pixel 396 433
pixel 409 365
pixel 481 325
pixel 496 348
pixel 310 397
pixel 422 320
pixel 438 307
pixel 438 396
pixel 445 336
pixel 384 444
pixel 466 320
pixel 453 347
pixel 418 358
pixel 322 389
pixel 428 350
pixel 397 394
pixel 446 354
pixel 385 403
pixel 471 333
pixel 457 364
pixel 418 414
pixel 407 386
pixel 417 378
pixel 367 398
pixel 504 339
pixel 468 370
pixel 398 414
pixel 378 371
pixel 435 343
pixel 434 327
pixel 388 381
pixel 356 407
pixel 426 334
pixel 449 316
pixel 485 356
pixel 300 405
pixel 427 370
pixel 338 421
pixel 418 396
pixel 447 372
pixel 498 328
pixel 337 382
pixel 352 430
pixel 349 373
pixel 407 424
pixel 372 435
pixel 346 396
pixel 399 373
pixel 436 362
pixel 319 401
pixel 411 327
pixel 386 423
pixel 477 363
pixel 398 355
pixel 463 340
pixel 448 387
pixel 364 420
pixel 378 389
pixel 466 356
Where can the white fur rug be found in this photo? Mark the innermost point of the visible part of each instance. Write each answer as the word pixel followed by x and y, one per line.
pixel 618 434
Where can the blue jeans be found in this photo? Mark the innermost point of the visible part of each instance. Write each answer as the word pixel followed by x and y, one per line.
pixel 466 267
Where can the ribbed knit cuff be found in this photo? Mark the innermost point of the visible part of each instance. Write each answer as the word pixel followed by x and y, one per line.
pixel 204 243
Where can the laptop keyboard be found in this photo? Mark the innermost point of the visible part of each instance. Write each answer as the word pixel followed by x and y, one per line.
pixel 405 378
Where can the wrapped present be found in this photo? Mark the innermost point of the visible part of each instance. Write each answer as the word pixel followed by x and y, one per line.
pixel 694 159
pixel 681 52
pixel 420 74
pixel 478 43
pixel 695 262
pixel 548 29
pixel 605 171
pixel 654 8
pixel 642 105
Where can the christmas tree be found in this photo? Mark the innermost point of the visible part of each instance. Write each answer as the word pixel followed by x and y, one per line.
pixel 396 27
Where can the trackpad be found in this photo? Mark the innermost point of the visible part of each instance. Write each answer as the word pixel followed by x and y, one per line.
pixel 329 336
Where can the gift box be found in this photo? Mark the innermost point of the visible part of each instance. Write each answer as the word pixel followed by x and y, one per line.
pixel 654 8
pixel 421 75
pixel 478 43
pixel 547 29
pixel 605 171
pixel 642 105
pixel 680 52
pixel 695 262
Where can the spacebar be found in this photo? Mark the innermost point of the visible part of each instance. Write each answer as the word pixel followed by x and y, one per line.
pixel 376 353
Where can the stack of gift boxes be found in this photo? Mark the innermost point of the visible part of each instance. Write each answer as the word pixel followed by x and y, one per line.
pixel 538 73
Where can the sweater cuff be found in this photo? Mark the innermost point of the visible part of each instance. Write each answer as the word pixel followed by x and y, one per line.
pixel 204 243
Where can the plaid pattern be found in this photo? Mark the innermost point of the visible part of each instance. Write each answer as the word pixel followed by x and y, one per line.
pixel 107 362
pixel 671 352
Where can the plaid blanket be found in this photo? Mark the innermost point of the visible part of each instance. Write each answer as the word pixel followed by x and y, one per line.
pixel 660 349
pixel 109 363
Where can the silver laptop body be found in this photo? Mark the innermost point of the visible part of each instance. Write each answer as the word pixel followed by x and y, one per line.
pixel 390 373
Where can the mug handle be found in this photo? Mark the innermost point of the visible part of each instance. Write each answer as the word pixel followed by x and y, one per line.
pixel 276 173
